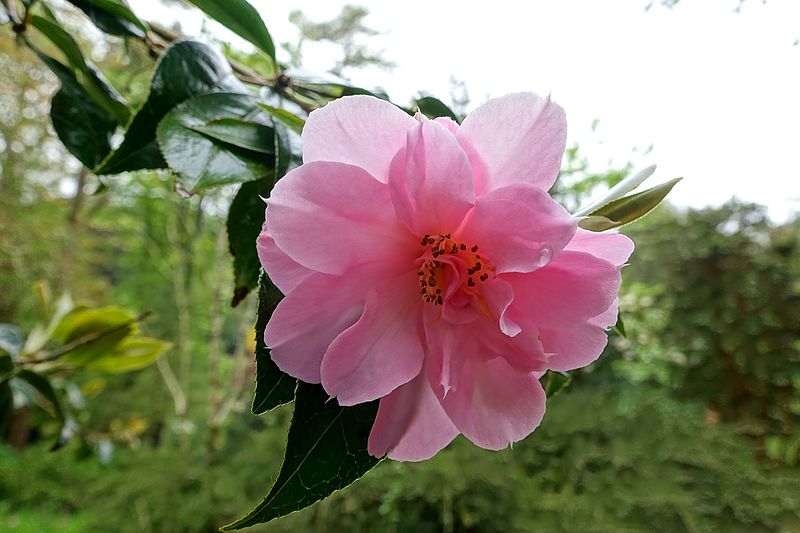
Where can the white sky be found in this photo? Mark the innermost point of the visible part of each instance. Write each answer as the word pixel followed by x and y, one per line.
pixel 715 92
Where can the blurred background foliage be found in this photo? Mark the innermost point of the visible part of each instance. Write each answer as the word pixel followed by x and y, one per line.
pixel 688 424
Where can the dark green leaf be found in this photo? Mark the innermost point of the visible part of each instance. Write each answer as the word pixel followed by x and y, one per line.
pixel 241 18
pixel 11 339
pixel 555 381
pixel 6 365
pixel 627 209
pixel 6 407
pixel 288 119
pixel 43 386
pixel 83 127
pixel 200 162
pixel 237 132
pixel 288 151
pixel 187 69
pixel 273 387
pixel 619 327
pixel 326 451
pixel 113 17
pixel 93 83
pixel 433 107
pixel 245 218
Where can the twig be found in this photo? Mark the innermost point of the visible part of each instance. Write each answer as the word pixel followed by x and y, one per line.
pixel 174 388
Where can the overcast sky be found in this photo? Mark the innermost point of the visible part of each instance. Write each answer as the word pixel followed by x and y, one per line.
pixel 715 92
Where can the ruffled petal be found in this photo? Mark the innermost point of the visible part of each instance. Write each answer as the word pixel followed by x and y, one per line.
pixel 498 295
pixel 308 319
pixel 611 246
pixel 519 228
pixel 330 217
pixel 494 404
pixel 284 272
pixel 381 351
pixel 518 138
pixel 358 130
pixel 573 288
pixel 450 346
pixel 411 424
pixel 431 180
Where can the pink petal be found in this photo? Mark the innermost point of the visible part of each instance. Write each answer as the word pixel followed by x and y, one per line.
pixel 613 247
pixel 284 272
pixel 358 130
pixel 381 351
pixel 518 138
pixel 581 345
pixel 572 348
pixel 573 288
pixel 519 228
pixel 330 216
pixel 308 319
pixel 607 318
pixel 498 295
pixel 431 180
pixel 494 404
pixel 448 123
pixel 411 424
pixel 451 345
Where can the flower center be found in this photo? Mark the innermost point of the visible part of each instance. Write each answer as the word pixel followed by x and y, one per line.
pixel 435 275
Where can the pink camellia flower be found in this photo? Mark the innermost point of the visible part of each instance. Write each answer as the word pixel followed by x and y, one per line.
pixel 424 264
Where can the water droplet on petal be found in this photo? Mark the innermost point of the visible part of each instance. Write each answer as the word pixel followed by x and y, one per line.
pixel 545 256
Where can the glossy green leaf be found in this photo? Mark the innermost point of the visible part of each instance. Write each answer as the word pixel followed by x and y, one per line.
pixel 83 127
pixel 94 83
pixel 326 451
pixel 627 209
pixel 273 387
pixel 287 118
pixel 133 353
pixel 555 381
pixel 187 69
pixel 110 326
pixel 11 339
pixel 618 191
pixel 245 218
pixel 245 134
pixel 242 19
pixel 113 17
pixel 200 162
pixel 433 107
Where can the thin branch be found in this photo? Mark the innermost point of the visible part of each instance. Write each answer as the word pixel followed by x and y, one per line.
pixel 243 72
pixel 174 388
